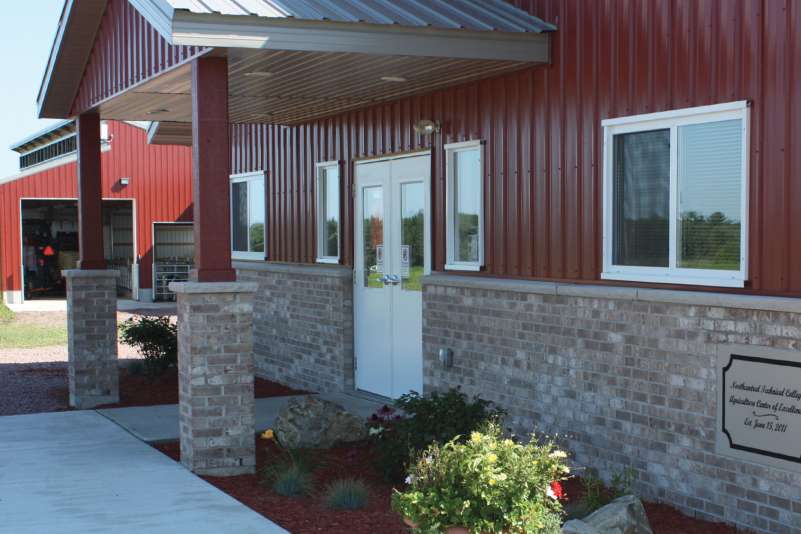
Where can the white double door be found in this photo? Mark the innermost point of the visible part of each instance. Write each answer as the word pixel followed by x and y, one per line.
pixel 392 254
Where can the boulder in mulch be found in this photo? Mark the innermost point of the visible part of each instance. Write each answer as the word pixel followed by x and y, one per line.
pixel 313 423
pixel 625 515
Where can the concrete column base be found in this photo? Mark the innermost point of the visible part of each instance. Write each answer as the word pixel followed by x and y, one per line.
pixel 215 376
pixel 92 337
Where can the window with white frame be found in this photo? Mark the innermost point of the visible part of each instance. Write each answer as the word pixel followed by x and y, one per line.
pixel 328 225
pixel 247 216
pixel 675 196
pixel 464 205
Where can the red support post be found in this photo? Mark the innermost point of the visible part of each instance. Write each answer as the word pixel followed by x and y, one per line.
pixel 211 169
pixel 90 196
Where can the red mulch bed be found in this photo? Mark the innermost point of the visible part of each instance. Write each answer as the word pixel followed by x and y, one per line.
pixel 301 515
pixel 135 390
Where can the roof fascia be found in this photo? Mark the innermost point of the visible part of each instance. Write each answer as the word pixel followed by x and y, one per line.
pixel 235 31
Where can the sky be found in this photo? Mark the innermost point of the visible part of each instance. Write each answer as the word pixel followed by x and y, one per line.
pixel 27 29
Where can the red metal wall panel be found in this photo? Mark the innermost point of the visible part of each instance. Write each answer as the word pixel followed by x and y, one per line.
pixel 127 51
pixel 543 132
pixel 160 186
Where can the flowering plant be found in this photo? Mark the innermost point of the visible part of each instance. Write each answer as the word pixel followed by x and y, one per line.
pixel 486 484
pixel 417 421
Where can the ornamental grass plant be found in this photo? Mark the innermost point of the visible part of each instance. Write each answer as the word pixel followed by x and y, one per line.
pixel 485 484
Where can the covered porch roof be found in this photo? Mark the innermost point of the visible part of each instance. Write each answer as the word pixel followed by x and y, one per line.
pixel 291 61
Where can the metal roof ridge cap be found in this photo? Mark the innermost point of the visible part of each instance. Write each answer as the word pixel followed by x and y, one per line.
pixel 44 131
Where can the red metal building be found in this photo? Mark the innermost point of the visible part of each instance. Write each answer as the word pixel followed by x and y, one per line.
pixel 143 184
pixel 577 209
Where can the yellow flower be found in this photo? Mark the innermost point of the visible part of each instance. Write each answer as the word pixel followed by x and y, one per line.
pixel 475 437
pixel 492 458
pixel 492 482
pixel 268 434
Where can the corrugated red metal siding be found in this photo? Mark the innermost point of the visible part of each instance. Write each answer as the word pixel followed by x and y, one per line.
pixel 161 187
pixel 127 51
pixel 542 127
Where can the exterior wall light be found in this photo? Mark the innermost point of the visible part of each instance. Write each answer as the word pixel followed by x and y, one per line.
pixel 125 181
pixel 426 127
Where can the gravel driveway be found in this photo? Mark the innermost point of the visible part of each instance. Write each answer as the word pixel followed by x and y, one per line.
pixel 35 380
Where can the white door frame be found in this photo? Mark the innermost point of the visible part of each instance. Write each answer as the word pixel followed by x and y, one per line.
pixel 391 204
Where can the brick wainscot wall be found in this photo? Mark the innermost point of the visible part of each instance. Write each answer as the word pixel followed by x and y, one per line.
pixel 627 375
pixel 302 324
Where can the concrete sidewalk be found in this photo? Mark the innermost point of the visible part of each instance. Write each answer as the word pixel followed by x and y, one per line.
pixel 78 472
pixel 160 423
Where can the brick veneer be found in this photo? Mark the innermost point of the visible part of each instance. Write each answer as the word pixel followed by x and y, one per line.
pixel 627 375
pixel 303 324
pixel 215 376
pixel 92 337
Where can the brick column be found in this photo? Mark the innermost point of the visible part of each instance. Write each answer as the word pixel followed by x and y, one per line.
pixel 92 337
pixel 215 376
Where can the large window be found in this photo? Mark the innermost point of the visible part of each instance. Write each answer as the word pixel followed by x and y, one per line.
pixel 465 202
pixel 328 227
pixel 675 196
pixel 247 216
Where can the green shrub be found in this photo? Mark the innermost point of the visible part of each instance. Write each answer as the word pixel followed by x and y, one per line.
pixel 437 418
pixel 156 338
pixel 6 315
pixel 347 494
pixel 597 495
pixel 291 481
pixel 487 483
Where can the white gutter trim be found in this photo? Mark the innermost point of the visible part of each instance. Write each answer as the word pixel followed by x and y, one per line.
pixel 233 31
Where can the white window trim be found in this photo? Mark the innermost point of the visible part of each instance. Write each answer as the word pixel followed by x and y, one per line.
pixel 238 178
pixel 451 149
pixel 319 208
pixel 671 120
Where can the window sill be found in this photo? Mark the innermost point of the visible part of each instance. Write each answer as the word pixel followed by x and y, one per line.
pixel 676 278
pixel 462 267
pixel 329 261
pixel 248 256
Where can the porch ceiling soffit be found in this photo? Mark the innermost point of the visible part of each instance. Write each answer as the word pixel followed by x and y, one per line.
pixel 287 65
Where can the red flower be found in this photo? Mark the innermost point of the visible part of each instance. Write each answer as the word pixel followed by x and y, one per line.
pixel 558 490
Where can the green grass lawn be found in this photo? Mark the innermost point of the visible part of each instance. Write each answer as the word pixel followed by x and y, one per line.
pixel 20 335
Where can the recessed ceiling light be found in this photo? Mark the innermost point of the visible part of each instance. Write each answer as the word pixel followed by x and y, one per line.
pixel 157 111
pixel 259 74
pixel 395 79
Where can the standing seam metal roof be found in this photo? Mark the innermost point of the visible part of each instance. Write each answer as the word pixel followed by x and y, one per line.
pixel 475 15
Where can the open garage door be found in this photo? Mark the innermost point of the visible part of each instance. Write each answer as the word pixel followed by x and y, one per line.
pixel 173 257
pixel 49 229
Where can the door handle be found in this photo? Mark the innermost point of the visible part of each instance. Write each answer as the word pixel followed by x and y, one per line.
pixel 390 279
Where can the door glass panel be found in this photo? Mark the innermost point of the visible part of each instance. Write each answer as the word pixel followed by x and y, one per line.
pixel 373 235
pixel 412 250
pixel 239 218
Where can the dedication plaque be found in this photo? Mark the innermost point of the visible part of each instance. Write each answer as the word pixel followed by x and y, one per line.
pixel 759 405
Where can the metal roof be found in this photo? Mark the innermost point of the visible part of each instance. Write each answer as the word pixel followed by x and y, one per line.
pixel 474 15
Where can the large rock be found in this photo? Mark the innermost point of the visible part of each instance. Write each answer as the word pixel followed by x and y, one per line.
pixel 577 526
pixel 625 515
pixel 311 423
